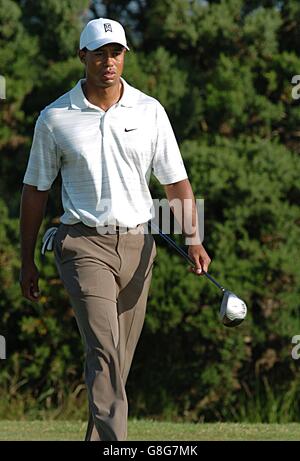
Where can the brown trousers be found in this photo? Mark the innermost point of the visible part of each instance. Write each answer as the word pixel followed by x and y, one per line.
pixel 107 278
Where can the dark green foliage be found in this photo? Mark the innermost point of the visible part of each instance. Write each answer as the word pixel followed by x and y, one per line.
pixel 251 230
pixel 223 71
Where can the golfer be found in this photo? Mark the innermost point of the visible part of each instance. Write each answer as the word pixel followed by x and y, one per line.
pixel 105 137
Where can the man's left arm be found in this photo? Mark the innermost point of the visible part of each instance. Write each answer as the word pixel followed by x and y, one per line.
pixel 186 215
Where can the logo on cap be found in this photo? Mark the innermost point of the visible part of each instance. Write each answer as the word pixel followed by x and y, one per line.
pixel 107 27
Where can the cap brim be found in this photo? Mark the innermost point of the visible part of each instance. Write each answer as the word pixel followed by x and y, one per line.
pixel 99 43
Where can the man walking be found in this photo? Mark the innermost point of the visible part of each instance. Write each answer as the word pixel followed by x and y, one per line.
pixel 106 138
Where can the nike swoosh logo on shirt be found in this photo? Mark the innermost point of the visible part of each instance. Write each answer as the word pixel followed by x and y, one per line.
pixel 130 129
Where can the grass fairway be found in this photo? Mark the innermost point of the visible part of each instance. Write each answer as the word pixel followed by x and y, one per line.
pixel 151 431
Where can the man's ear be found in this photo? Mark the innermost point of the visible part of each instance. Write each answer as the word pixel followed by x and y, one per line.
pixel 81 55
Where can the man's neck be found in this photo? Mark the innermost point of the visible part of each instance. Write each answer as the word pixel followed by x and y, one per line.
pixel 102 97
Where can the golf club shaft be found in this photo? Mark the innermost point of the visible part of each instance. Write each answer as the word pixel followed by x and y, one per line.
pixel 182 253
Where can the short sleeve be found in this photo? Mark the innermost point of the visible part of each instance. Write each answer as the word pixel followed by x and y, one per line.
pixel 167 165
pixel 44 162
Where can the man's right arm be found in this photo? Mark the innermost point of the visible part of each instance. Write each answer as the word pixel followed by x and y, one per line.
pixel 32 210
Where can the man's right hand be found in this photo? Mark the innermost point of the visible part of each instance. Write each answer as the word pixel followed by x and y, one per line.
pixel 33 203
pixel 29 277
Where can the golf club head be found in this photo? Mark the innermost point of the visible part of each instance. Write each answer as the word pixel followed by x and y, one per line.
pixel 233 309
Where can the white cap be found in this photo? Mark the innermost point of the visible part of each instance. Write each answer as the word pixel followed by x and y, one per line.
pixel 100 32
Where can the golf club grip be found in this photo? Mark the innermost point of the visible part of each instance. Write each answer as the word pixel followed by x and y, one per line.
pixel 183 253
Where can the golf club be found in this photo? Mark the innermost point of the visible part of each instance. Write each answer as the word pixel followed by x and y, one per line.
pixel 233 309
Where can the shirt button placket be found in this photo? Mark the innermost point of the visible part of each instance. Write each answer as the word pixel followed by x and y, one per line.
pixel 102 123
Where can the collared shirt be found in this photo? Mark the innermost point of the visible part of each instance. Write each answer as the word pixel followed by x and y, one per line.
pixel 105 158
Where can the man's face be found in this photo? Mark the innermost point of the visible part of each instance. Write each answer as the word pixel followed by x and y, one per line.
pixel 104 66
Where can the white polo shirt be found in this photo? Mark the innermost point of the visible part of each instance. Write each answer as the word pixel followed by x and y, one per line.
pixel 105 158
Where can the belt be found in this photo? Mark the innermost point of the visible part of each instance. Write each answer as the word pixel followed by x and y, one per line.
pixel 109 228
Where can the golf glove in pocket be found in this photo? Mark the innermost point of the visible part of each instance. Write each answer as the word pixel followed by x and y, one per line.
pixel 47 241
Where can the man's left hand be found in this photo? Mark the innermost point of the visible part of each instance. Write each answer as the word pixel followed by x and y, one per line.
pixel 201 259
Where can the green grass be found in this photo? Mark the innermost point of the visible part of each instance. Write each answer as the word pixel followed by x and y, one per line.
pixel 151 431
